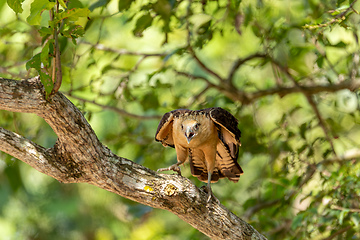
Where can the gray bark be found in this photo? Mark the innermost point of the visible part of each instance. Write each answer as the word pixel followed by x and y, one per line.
pixel 79 156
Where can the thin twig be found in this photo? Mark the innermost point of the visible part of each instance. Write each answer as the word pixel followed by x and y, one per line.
pixel 311 102
pixel 251 211
pixel 250 97
pixel 337 19
pixel 115 109
pixel 203 66
pixel 346 209
pixel 197 96
pixel 192 51
pixel 337 233
pixel 239 62
pixel 101 47
pixel 346 157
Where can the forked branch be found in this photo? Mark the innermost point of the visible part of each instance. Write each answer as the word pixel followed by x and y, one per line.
pixel 78 156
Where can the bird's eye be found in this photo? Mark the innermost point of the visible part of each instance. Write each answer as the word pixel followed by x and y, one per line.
pixel 196 125
pixel 182 127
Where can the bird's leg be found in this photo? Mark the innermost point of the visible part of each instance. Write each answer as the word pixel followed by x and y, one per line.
pixel 175 167
pixel 209 187
pixel 210 193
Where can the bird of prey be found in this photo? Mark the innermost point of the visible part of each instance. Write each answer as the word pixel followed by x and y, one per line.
pixel 208 138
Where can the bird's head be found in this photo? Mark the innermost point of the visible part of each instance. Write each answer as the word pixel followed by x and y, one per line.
pixel 190 127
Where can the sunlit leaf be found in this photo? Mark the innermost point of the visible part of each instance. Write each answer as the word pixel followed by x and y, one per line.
pixel 35 62
pixel 15 5
pixel 99 3
pixel 73 14
pixel 124 4
pixel 142 24
pixel 36 9
pixel 62 3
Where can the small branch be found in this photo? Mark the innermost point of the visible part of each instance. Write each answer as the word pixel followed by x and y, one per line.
pixel 192 51
pixel 193 99
pixel 239 62
pixel 203 66
pixel 115 109
pixel 311 102
pixel 254 209
pixel 346 157
pixel 337 233
pixel 258 207
pixel 101 47
pixel 56 73
pixel 250 97
pixel 355 210
pixel 337 19
pixel 232 94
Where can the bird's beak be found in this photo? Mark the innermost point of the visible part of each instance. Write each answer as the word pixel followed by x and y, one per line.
pixel 189 134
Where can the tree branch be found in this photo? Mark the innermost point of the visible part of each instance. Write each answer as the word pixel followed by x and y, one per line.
pixel 115 109
pixel 78 156
pixel 101 47
pixel 240 62
pixel 250 97
pixel 337 233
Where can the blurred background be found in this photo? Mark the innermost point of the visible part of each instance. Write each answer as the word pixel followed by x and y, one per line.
pixel 288 70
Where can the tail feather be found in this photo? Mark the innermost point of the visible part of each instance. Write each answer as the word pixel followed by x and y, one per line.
pixel 227 163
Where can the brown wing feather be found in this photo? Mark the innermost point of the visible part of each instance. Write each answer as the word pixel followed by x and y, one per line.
pixel 198 167
pixel 227 164
pixel 164 130
pixel 228 146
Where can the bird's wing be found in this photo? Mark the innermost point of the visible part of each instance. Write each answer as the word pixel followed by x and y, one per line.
pixel 228 146
pixel 164 133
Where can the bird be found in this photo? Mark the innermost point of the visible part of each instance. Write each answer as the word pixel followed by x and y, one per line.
pixel 208 138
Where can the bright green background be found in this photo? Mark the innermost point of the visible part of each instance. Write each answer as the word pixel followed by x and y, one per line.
pixel 283 140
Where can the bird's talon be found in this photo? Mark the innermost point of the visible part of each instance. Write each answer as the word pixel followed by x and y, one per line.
pixel 174 168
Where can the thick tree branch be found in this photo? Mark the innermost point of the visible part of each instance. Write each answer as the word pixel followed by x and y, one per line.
pixel 78 156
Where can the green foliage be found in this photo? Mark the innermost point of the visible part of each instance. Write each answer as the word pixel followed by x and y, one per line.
pixel 288 70
pixel 15 5
pixel 63 22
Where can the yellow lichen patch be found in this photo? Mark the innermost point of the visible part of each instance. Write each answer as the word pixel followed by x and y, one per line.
pixel 148 189
pixel 170 190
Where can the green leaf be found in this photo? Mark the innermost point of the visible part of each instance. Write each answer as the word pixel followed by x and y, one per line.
pixel 150 101
pixel 73 32
pixel 141 24
pixel 297 221
pixel 36 9
pixel 62 3
pixel 320 61
pixel 45 31
pixel 98 4
pixel 303 129
pixel 75 4
pixel 15 5
pixel 124 4
pixel 342 215
pixel 73 14
pixel 46 81
pixel 44 55
pixel 35 62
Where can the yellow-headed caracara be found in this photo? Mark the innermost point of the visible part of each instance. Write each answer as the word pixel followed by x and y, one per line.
pixel 209 138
